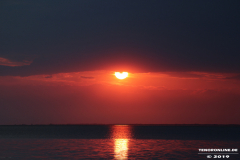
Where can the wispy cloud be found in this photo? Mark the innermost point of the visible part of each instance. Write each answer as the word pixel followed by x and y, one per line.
pixel 236 77
pixel 87 77
pixel 6 62
pixel 50 76
pixel 198 81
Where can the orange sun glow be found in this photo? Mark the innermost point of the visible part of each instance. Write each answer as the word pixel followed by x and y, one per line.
pixel 122 75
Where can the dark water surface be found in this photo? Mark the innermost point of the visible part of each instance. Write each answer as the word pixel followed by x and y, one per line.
pixel 116 141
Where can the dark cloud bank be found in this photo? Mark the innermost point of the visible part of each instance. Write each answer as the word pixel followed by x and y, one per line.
pixel 138 35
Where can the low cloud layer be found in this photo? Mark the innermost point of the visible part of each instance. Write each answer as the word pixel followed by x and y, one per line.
pixel 6 62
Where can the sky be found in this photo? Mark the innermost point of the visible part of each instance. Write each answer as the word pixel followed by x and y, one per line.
pixel 58 59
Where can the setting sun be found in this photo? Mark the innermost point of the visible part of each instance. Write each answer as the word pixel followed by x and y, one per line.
pixel 122 75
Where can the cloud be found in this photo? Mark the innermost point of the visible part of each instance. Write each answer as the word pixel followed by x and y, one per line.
pixel 50 76
pixel 236 77
pixel 6 62
pixel 87 77
pixel 187 75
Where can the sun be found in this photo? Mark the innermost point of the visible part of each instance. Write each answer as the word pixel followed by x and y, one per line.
pixel 122 75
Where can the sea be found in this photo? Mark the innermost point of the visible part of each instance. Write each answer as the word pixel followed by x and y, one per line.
pixel 165 142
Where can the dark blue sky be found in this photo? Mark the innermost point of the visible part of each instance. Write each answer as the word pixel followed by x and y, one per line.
pixel 143 36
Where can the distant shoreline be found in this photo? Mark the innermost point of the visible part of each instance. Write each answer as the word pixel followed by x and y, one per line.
pixel 84 124
pixel 138 131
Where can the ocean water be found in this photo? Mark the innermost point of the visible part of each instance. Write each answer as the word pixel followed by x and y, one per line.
pixel 116 142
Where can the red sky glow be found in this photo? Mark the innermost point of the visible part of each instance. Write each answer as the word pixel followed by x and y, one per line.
pixel 99 97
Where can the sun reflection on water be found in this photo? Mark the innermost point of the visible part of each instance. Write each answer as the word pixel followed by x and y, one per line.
pixel 121 148
pixel 121 135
